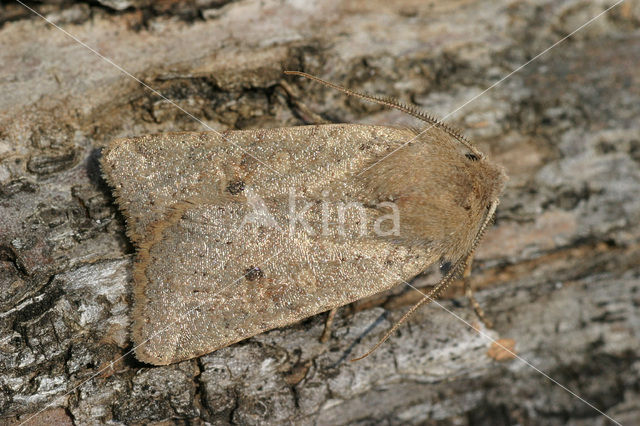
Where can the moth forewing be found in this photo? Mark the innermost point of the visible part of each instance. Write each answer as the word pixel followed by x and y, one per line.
pixel 192 258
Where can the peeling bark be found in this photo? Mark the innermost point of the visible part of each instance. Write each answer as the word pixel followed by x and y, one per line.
pixel 558 273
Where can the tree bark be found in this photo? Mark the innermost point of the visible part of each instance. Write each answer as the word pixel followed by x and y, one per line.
pixel 558 274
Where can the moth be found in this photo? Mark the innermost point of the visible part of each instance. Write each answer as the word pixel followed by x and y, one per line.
pixel 245 231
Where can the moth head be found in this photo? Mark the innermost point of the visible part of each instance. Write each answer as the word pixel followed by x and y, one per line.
pixel 443 191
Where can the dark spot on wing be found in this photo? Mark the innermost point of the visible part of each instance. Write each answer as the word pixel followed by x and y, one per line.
pixel 253 273
pixel 235 187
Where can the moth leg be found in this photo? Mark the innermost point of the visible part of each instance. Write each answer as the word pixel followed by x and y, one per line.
pixel 301 110
pixel 468 291
pixel 326 334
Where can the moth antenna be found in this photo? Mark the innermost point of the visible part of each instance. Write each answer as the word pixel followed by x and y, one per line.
pixel 441 286
pixel 393 103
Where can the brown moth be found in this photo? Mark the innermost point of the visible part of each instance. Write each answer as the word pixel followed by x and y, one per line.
pixel 244 232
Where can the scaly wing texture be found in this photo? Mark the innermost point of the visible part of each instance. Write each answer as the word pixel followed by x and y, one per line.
pixel 150 173
pixel 204 282
pixel 192 295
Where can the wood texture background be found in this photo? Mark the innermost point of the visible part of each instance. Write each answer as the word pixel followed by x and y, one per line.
pixel 558 273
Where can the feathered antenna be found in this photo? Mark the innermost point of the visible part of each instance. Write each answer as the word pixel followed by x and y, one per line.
pixel 393 103
pixel 442 285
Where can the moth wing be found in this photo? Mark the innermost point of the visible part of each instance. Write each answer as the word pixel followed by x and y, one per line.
pixel 150 173
pixel 205 280
pixel 192 292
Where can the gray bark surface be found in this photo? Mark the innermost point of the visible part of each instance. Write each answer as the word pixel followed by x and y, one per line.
pixel 558 274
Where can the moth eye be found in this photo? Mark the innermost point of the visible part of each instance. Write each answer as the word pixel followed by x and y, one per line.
pixel 472 157
pixel 445 267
